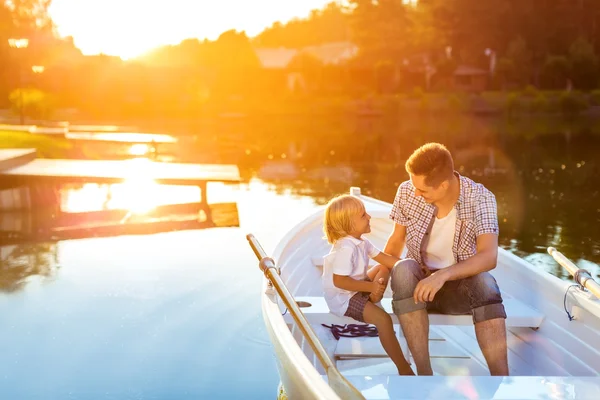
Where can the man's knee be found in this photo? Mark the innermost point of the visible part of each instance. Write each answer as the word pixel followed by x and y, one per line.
pixel 483 288
pixel 486 299
pixel 405 276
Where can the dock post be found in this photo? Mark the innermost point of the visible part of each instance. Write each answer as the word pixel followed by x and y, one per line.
pixel 204 203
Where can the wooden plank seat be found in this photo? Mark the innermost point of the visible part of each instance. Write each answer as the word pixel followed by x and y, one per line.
pixel 519 315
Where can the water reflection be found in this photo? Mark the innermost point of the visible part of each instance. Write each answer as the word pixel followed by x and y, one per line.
pixel 18 263
pixel 546 186
pixel 543 172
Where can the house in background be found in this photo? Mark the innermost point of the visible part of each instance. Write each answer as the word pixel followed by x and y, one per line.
pixel 470 79
pixel 285 62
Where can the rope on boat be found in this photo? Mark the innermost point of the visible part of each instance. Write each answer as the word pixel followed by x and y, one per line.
pixel 580 284
pixel 352 330
pixel 571 318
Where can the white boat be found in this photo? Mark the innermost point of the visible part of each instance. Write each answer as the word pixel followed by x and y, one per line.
pixel 550 356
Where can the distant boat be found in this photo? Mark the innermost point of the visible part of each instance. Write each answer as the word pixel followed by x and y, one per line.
pixel 550 356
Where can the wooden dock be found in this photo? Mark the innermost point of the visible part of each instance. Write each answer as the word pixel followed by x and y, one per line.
pixel 11 158
pixel 20 169
pixel 43 170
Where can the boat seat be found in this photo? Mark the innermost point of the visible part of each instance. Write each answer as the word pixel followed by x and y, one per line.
pixel 316 311
pixel 474 387
pixel 370 347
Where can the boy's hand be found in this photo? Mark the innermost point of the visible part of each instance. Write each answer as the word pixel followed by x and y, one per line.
pixel 378 290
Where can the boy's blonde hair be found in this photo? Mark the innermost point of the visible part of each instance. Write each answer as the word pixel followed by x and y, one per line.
pixel 338 216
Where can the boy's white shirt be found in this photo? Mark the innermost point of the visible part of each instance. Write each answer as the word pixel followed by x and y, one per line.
pixel 349 257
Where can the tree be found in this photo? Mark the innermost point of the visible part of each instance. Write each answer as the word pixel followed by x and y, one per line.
pixel 585 62
pixel 521 57
pixel 556 72
pixel 326 25
pixel 505 71
pixel 380 29
pixel 309 66
pixel 29 17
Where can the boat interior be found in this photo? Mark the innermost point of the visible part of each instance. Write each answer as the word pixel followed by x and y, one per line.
pixel 548 352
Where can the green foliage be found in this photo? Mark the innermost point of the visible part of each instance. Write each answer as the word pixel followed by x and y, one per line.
pixel 506 71
pixel 513 104
pixel 572 104
pixel 539 103
pixel 595 98
pixel 31 102
pixel 327 25
pixel 455 103
pixel 521 57
pixel 556 71
pixel 46 146
pixel 530 91
pixel 585 64
pixel 384 74
pixel 417 93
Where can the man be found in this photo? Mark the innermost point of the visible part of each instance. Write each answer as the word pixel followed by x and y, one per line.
pixel 450 227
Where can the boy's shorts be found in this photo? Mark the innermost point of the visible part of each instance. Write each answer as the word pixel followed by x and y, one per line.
pixel 356 306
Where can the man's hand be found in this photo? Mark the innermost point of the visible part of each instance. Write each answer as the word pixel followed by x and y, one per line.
pixel 428 287
pixel 378 290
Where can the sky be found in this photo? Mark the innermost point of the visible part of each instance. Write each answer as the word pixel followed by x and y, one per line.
pixel 128 28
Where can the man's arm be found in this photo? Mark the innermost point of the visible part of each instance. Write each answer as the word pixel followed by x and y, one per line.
pixel 386 259
pixel 395 242
pixel 484 260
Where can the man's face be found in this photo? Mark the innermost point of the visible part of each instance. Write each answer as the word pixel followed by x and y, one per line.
pixel 429 193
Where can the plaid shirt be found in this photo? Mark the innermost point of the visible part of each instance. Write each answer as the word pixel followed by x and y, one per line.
pixel 476 214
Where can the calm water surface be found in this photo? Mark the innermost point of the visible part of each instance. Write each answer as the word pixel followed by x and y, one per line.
pixel 177 315
pixel 173 315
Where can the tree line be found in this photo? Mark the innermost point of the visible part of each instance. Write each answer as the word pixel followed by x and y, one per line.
pixel 546 44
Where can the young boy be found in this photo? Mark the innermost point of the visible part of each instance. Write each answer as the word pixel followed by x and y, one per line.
pixel 351 288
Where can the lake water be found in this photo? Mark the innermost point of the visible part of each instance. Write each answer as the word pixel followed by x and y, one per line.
pixel 177 315
pixel 167 316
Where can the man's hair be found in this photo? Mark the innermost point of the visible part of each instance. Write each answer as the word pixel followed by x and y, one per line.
pixel 432 160
pixel 338 216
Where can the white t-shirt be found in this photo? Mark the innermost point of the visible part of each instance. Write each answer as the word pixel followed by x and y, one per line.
pixel 349 257
pixel 438 252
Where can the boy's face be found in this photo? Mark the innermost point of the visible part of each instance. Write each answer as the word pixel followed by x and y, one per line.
pixel 362 223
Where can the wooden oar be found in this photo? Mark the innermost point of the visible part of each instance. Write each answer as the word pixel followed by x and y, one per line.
pixel 340 385
pixel 581 276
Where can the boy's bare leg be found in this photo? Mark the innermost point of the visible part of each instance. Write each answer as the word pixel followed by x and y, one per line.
pixel 374 274
pixel 378 317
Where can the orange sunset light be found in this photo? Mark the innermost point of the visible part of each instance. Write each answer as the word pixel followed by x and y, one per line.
pixel 129 28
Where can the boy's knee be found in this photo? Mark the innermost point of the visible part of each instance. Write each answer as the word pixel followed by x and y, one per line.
pixel 384 321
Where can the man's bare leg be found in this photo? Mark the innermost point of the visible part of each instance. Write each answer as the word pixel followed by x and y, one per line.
pixel 415 326
pixel 491 336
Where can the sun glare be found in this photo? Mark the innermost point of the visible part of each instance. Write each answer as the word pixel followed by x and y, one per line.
pixel 129 28
pixel 139 149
